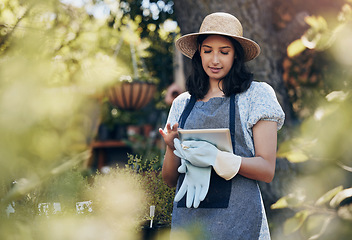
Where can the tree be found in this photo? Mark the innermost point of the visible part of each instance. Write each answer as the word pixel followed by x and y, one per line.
pixel 322 198
pixel 55 58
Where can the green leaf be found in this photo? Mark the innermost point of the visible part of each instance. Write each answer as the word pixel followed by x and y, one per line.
pixel 296 156
pixel 316 22
pixel 293 224
pixel 338 96
pixel 281 203
pixel 328 196
pixel 291 200
pixel 292 150
pixel 284 148
pixel 295 48
pixel 347 193
pixel 317 225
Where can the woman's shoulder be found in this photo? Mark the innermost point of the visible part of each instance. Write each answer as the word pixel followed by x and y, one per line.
pixel 184 95
pixel 259 89
pixel 262 104
pixel 178 104
pixel 181 99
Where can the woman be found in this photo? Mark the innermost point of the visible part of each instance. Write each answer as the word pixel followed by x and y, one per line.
pixel 222 94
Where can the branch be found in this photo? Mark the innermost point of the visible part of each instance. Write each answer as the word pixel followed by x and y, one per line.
pixel 7 36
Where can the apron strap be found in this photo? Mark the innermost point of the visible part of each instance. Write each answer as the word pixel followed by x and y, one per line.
pixel 187 111
pixel 219 189
pixel 232 119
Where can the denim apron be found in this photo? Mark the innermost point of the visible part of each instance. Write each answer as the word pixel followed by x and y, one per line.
pixel 232 209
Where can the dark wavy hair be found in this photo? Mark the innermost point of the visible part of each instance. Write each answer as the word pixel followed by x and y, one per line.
pixel 236 81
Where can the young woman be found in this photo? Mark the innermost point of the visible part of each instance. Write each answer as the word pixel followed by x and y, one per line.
pixel 218 189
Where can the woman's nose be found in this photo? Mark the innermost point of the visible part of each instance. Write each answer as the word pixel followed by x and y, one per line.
pixel 215 59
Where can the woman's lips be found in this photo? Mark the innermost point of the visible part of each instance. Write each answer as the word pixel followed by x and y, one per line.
pixel 215 70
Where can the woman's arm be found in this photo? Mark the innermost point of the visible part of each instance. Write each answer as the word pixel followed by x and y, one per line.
pixel 170 166
pixel 262 166
pixel 171 161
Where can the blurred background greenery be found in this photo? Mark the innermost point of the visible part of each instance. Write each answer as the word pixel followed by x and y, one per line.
pixel 58 59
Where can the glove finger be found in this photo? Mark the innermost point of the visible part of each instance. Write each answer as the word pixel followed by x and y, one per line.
pixel 182 168
pixel 181 192
pixel 198 147
pixel 196 197
pixel 203 192
pixel 178 154
pixel 190 196
pixel 195 143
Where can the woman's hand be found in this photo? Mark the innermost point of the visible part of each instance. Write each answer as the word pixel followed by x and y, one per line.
pixel 170 134
pixel 171 161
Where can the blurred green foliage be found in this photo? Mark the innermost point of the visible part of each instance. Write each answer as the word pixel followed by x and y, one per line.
pixel 56 61
pixel 321 146
pixel 157 192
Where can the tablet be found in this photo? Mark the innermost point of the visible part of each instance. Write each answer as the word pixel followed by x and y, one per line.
pixel 220 137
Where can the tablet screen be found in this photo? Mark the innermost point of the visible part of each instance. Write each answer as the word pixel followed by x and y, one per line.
pixel 220 137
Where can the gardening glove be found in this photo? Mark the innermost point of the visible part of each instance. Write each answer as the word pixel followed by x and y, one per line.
pixel 195 184
pixel 205 154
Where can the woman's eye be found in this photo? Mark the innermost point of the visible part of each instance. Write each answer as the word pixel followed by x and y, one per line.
pixel 225 53
pixel 207 51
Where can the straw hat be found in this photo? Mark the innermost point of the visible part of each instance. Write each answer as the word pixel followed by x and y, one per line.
pixel 222 24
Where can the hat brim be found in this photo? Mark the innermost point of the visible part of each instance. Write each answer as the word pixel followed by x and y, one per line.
pixel 187 44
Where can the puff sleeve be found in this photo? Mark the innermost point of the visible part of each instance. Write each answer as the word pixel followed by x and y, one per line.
pixel 264 105
pixel 177 108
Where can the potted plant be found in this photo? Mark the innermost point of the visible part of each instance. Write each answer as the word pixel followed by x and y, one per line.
pixel 132 93
pixel 159 196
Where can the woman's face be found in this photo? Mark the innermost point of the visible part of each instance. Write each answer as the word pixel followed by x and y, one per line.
pixel 217 54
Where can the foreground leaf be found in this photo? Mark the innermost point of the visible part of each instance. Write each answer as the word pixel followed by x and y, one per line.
pixel 291 200
pixel 293 224
pixel 341 196
pixel 295 48
pixel 318 222
pixel 296 156
pixel 328 196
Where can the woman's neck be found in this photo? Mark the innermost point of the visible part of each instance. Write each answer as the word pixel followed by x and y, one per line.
pixel 214 90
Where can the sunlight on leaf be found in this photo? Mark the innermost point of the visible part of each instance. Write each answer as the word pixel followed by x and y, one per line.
pixel 342 48
pixel 318 35
pixel 296 156
pixel 343 166
pixel 337 96
pixel 328 196
pixel 341 196
pixel 295 48
pixel 316 22
pixel 293 224
pixel 290 201
pixel 281 203
pixel 317 225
